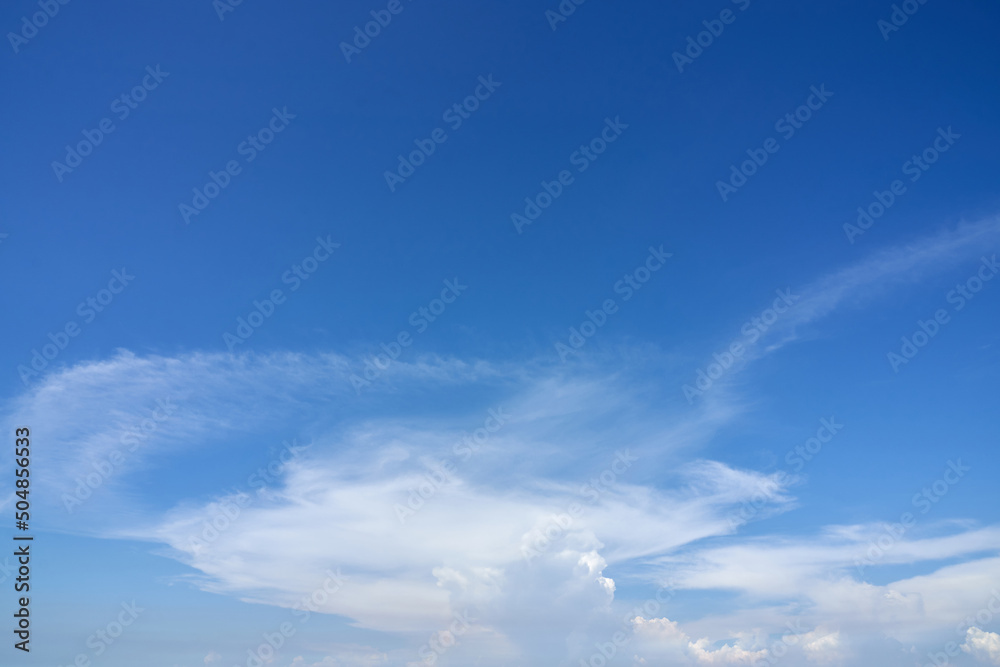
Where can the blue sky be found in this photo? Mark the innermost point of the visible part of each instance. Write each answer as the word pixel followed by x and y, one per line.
pixel 613 375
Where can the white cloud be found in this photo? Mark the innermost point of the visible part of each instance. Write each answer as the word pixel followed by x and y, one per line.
pixel 462 551
pixel 727 654
pixel 822 646
pixel 465 546
pixel 984 646
pixel 661 639
pixel 872 277
pixel 659 629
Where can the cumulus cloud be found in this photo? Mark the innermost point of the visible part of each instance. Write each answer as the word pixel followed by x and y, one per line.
pixel 661 638
pixel 487 526
pixel 727 654
pixel 466 545
pixel 822 646
pixel 530 525
pixel 499 535
pixel 984 646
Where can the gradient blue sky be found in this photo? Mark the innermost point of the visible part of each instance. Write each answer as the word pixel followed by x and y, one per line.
pixel 672 516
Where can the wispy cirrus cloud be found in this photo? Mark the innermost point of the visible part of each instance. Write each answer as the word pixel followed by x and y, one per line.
pixel 664 516
pixel 877 274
